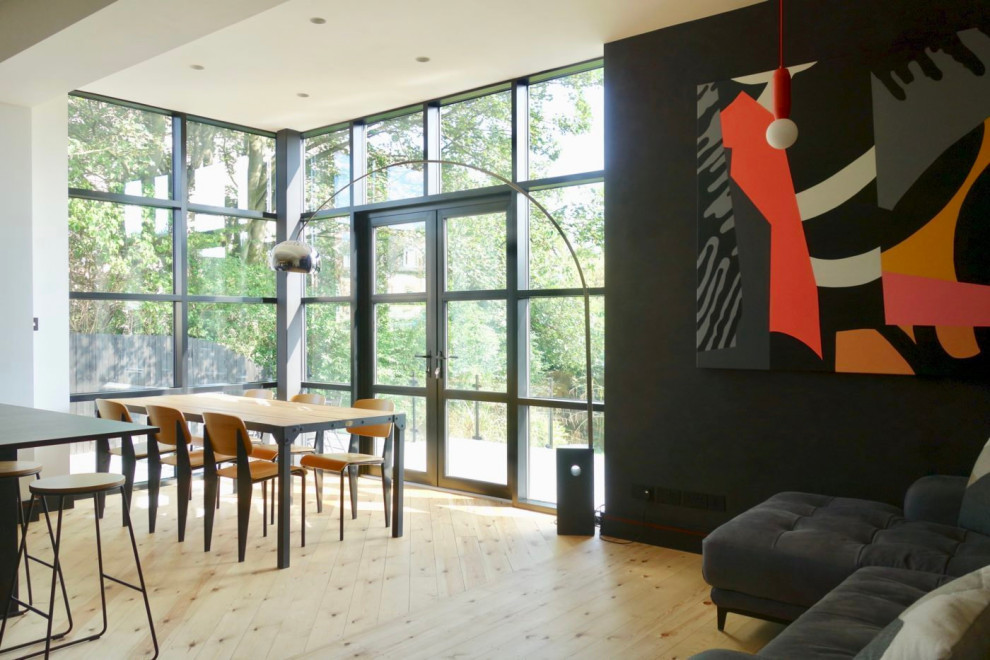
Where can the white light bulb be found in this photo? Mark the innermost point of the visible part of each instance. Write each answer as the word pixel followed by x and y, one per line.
pixel 782 133
pixel 576 470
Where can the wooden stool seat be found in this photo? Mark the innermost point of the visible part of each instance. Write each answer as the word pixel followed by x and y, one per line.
pixel 77 484
pixel 19 468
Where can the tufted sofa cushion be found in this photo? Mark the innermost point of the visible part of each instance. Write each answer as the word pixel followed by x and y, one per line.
pixel 796 547
pixel 848 619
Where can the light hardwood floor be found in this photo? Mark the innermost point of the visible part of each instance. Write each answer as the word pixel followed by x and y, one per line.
pixel 470 578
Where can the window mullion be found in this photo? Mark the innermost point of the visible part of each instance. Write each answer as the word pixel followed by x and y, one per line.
pixel 180 313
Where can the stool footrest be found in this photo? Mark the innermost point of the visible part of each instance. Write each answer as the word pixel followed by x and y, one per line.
pixel 122 583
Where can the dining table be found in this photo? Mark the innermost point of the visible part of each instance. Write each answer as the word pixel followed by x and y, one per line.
pixel 23 428
pixel 285 420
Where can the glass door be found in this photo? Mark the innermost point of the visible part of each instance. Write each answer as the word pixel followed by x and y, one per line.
pixel 440 334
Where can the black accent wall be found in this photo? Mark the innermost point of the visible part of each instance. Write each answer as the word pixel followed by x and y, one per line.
pixel 743 434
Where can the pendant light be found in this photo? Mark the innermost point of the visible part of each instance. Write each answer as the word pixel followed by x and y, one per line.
pixel 782 132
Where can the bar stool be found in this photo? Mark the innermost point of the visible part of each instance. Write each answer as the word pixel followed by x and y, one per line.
pixel 76 485
pixel 16 470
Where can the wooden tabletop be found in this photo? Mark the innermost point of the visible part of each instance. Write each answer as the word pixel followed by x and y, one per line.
pixel 22 427
pixel 261 414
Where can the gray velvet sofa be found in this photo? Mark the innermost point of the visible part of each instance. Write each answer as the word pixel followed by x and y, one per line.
pixel 778 559
pixel 880 613
pixel 846 620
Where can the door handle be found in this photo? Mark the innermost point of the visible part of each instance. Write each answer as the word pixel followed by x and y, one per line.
pixel 429 361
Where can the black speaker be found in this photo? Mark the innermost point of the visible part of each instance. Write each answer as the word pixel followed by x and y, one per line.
pixel 576 491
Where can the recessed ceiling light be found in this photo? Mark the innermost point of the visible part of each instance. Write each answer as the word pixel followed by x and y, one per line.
pixel 196 67
pixel 317 20
pixel 302 95
pixel 422 58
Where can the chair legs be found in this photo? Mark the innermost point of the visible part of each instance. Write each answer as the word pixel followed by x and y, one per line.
pixel 211 501
pixel 387 494
pixel 350 472
pixel 342 505
pixel 154 487
pixel 183 480
pixel 245 489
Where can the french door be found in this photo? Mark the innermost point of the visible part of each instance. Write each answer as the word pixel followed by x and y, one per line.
pixel 436 332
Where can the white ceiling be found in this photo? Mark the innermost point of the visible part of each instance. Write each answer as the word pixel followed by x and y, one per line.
pixel 260 54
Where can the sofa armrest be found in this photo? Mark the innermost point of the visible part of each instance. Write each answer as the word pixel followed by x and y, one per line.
pixel 935 498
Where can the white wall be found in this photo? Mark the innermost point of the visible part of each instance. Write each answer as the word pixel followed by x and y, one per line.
pixel 16 303
pixel 50 268
pixel 50 239
pixel 34 271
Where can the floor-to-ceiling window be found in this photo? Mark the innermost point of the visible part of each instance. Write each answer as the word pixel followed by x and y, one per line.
pixel 441 288
pixel 446 292
pixel 170 222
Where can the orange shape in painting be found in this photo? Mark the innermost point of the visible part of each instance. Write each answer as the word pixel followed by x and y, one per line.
pixel 959 342
pixel 929 251
pixel 867 352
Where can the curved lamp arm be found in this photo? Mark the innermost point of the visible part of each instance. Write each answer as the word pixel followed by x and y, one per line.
pixel 556 225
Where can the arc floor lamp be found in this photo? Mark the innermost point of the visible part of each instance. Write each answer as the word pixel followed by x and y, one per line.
pixel 295 256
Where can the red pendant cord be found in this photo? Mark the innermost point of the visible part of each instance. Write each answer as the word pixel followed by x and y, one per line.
pixel 780 34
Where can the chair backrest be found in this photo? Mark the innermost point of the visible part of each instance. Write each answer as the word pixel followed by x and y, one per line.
pixel 222 431
pixel 312 398
pixel 373 430
pixel 113 410
pixel 166 419
pixel 268 395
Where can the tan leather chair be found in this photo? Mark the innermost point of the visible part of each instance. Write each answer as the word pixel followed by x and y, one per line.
pixel 270 452
pixel 130 453
pixel 174 432
pixel 227 435
pixel 349 462
pixel 268 395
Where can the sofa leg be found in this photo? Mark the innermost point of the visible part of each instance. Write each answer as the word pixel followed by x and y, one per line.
pixel 721 618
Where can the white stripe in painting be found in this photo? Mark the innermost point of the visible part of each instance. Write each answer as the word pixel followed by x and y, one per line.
pixel 765 77
pixel 838 188
pixel 847 272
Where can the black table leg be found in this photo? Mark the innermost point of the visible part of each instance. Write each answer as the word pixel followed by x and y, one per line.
pixel 284 438
pixel 398 475
pixel 8 535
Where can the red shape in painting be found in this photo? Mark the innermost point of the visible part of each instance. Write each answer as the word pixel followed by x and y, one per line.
pixel 914 300
pixel 763 174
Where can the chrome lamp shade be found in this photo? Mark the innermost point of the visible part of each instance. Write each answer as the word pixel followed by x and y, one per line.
pixel 294 257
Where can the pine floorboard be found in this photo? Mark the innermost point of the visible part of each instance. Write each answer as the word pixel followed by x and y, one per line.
pixel 471 578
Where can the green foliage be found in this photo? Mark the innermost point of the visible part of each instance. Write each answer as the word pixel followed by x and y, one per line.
pixel 128 249
pixel 332 238
pixel 476 132
pixel 229 257
pixel 247 329
pixel 580 211
pixel 111 146
pixel 328 342
pixel 400 337
pixel 328 168
pixel 391 141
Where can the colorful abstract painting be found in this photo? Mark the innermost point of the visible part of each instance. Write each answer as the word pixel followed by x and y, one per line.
pixel 865 247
